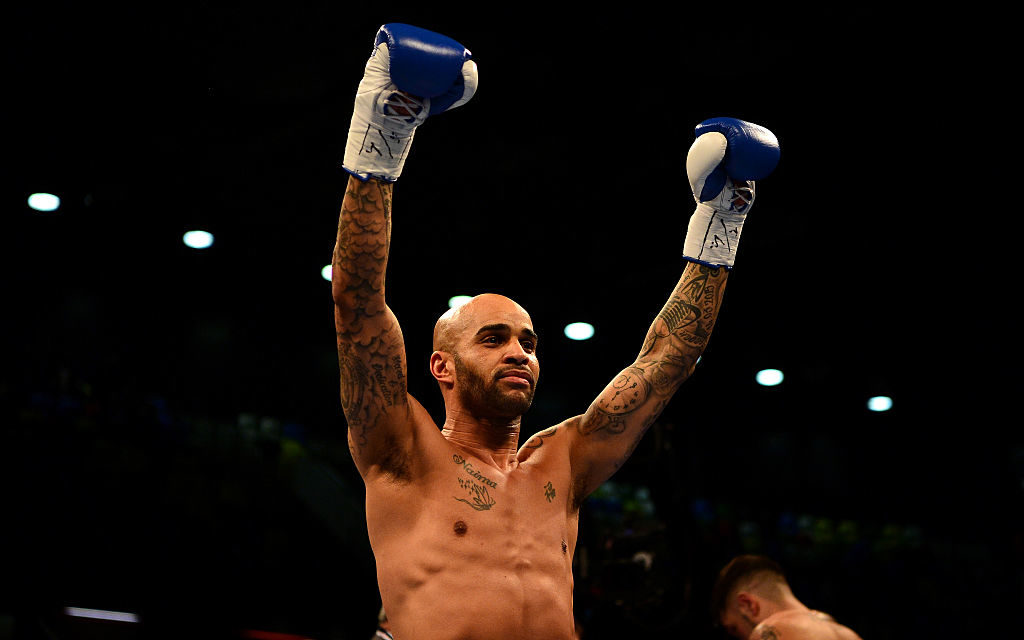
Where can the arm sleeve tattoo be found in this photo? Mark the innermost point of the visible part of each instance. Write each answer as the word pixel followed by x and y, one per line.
pixel 371 352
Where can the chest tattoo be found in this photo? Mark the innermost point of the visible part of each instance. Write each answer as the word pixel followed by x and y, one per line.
pixel 549 491
pixel 474 486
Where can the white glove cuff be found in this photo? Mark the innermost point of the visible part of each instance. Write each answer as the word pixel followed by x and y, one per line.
pixel 384 122
pixel 712 236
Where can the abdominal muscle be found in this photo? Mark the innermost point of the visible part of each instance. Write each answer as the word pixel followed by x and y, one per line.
pixel 447 571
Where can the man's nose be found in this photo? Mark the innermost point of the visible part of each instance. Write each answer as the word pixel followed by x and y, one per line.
pixel 516 354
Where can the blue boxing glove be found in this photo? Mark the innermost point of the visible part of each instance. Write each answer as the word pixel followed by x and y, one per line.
pixel 412 73
pixel 722 165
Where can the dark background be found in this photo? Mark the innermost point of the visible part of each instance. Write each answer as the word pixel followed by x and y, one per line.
pixel 172 439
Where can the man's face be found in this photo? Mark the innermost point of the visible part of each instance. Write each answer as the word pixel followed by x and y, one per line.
pixel 496 363
pixel 487 392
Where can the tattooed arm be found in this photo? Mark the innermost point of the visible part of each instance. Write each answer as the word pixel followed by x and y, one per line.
pixel 605 436
pixel 371 350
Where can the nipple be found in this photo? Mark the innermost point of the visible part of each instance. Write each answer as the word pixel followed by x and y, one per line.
pixel 460 528
pixel 565 547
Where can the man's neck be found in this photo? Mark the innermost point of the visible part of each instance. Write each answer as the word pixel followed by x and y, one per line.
pixel 770 607
pixel 492 440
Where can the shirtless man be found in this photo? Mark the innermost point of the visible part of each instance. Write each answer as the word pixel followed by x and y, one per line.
pixel 752 600
pixel 474 538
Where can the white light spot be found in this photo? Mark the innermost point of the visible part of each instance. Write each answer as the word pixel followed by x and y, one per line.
pixel 326 273
pixel 769 377
pixel 43 201
pixel 579 331
pixel 458 301
pixel 880 403
pixel 198 239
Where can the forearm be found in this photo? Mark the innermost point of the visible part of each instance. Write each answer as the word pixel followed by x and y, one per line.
pixel 614 423
pixel 361 251
pixel 605 436
pixel 680 332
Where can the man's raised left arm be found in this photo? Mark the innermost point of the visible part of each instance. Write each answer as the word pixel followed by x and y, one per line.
pixel 726 158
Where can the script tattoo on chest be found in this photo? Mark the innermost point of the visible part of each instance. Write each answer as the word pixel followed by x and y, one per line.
pixel 474 486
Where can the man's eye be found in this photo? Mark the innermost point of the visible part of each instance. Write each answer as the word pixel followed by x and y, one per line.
pixel 528 345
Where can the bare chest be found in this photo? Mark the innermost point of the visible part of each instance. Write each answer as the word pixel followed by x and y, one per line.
pixel 466 508
pixel 464 541
pixel 525 491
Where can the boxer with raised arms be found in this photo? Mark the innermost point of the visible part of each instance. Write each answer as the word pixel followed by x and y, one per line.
pixel 472 536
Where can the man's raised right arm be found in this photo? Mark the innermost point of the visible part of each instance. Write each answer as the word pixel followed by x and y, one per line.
pixel 371 350
pixel 411 74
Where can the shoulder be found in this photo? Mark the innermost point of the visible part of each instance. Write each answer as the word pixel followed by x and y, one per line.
pixel 404 450
pixel 789 624
pixel 546 441
pixel 766 630
pixel 798 625
pixel 551 450
pixel 844 632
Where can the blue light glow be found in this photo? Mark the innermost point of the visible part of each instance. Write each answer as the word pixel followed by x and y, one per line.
pixel 198 239
pixel 769 377
pixel 44 201
pixel 880 403
pixel 579 331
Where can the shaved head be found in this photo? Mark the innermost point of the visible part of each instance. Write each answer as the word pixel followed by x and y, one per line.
pixel 454 322
pixel 755 573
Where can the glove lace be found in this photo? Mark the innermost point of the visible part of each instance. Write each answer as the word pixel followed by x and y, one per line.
pixel 401 109
pixel 742 196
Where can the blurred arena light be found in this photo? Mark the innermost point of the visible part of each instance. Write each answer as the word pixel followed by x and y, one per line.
pixel 100 614
pixel 326 273
pixel 579 331
pixel 198 239
pixel 769 377
pixel 44 201
pixel 458 301
pixel 880 403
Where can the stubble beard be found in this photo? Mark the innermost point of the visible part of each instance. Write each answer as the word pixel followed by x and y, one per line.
pixel 485 399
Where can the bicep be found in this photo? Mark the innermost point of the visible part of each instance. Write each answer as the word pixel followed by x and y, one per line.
pixel 612 427
pixel 374 392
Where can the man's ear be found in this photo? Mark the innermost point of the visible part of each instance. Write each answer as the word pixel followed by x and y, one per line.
pixel 748 604
pixel 441 368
